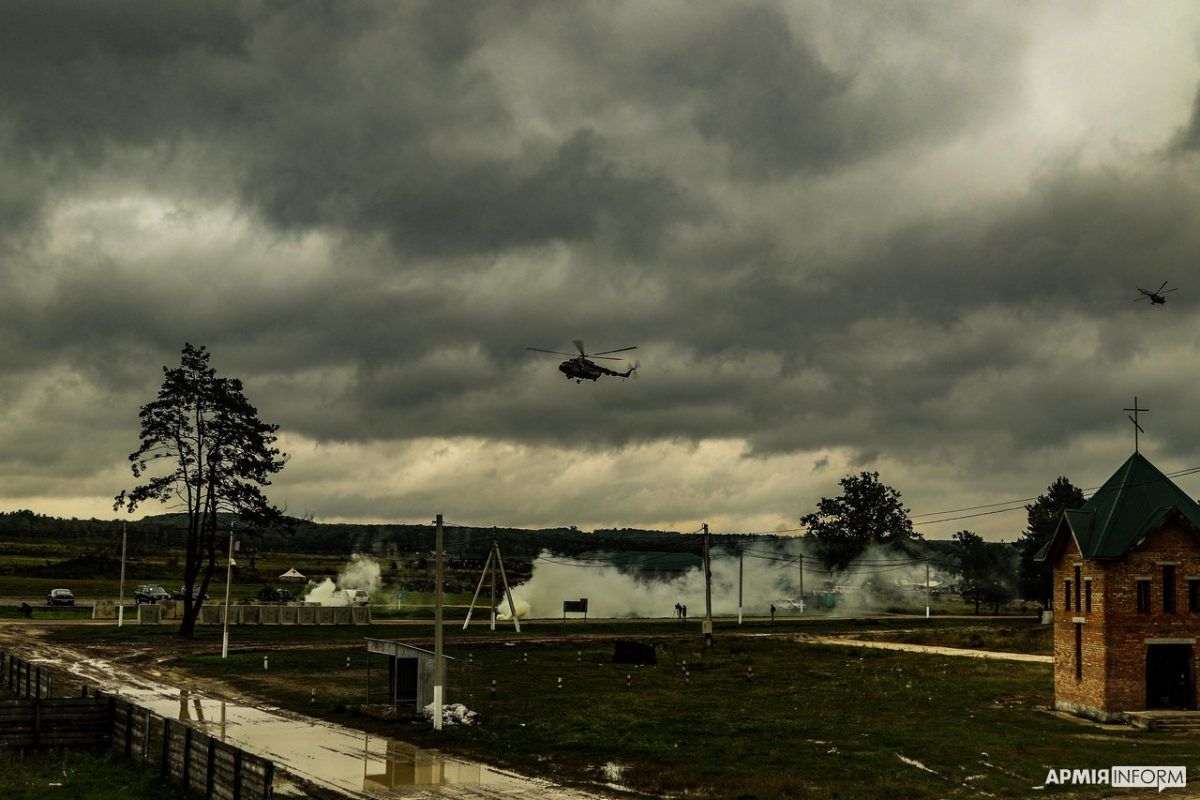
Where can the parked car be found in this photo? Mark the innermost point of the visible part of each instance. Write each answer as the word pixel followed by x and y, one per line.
pixel 183 593
pixel 60 597
pixel 275 594
pixel 150 593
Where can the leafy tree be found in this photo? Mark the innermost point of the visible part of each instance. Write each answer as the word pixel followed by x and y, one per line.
pixel 987 570
pixel 1044 514
pixel 211 454
pixel 867 512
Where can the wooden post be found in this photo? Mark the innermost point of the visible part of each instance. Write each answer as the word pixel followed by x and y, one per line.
pixel 438 678
pixel 187 757
pixel 494 553
pixel 741 564
pixel 478 589
pixel 146 739
pixel 708 635
pixel 128 729
pixel 166 749
pixel 37 723
pixel 237 774
pixel 208 778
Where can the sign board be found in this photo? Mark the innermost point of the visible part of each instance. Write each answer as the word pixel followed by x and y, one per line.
pixel 575 607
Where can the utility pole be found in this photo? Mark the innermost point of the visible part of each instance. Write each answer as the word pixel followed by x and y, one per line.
pixel 228 581
pixel 438 677
pixel 802 583
pixel 121 599
pixel 490 556
pixel 741 564
pixel 927 587
pixel 708 630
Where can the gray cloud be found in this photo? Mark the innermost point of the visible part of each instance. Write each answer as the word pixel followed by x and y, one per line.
pixel 368 211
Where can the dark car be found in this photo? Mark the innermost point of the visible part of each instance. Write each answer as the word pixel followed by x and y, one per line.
pixel 183 593
pixel 149 593
pixel 60 597
pixel 275 594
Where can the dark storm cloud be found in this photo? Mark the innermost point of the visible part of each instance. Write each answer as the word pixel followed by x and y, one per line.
pixel 369 210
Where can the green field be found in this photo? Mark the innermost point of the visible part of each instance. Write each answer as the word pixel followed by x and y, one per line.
pixel 79 775
pixel 814 721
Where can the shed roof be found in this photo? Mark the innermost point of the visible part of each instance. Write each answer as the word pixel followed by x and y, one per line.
pixel 391 647
pixel 1132 503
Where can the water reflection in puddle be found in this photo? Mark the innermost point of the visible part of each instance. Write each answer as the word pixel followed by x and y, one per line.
pixel 326 754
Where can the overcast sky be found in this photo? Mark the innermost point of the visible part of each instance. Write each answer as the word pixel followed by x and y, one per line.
pixel 891 236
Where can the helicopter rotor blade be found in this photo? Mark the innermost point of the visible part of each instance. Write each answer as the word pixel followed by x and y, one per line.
pixel 618 350
pixel 604 358
pixel 1159 289
pixel 555 352
pixel 579 346
pixel 1168 291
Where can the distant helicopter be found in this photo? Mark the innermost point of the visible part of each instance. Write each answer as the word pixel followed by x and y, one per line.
pixel 581 368
pixel 1156 297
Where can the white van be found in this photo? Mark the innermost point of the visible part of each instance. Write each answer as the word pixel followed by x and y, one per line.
pixel 357 597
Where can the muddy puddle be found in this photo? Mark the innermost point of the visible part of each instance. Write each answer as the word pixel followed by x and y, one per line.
pixel 324 754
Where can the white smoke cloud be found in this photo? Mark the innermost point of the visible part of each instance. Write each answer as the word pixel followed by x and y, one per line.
pixel 362 572
pixel 770 575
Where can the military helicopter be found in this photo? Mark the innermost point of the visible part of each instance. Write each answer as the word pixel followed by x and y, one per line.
pixel 1156 297
pixel 581 367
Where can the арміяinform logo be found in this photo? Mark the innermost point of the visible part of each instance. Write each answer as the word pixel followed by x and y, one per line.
pixel 1121 777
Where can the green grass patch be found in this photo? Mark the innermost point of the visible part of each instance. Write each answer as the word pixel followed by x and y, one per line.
pixel 1032 639
pixel 78 775
pixel 828 722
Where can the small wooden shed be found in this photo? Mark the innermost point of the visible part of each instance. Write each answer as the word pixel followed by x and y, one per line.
pixel 410 675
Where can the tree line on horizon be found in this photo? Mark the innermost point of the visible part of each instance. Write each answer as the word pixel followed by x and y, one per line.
pixel 204 451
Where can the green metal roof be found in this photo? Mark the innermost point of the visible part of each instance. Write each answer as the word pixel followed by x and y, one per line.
pixel 1132 503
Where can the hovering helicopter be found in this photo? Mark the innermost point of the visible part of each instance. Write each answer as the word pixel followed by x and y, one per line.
pixel 1156 297
pixel 581 367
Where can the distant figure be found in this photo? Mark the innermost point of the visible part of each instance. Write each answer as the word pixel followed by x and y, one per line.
pixel 26 611
pixel 772 612
pixel 678 611
pixel 684 610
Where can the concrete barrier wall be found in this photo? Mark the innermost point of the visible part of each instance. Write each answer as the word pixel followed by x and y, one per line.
pixel 104 609
pixel 273 614
pixel 149 615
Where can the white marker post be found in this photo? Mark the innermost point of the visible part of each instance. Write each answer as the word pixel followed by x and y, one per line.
pixel 121 599
pixel 741 559
pixel 228 580
pixel 926 590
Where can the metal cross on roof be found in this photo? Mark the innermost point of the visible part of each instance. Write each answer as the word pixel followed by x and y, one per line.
pixel 1134 419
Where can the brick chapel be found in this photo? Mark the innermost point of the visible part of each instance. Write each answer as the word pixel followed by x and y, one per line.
pixel 1126 597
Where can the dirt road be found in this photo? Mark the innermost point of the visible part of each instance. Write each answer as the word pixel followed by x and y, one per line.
pixel 332 757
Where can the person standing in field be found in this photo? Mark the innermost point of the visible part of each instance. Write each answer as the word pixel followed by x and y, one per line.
pixel 772 612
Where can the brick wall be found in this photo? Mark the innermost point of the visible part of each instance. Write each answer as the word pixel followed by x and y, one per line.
pixel 1114 632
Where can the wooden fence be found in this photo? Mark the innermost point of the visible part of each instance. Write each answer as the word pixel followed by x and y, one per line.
pixel 186 756
pixel 24 679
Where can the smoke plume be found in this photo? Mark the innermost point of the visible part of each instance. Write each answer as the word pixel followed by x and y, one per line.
pixel 362 572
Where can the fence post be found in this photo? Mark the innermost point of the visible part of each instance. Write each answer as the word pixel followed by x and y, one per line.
pixel 166 749
pixel 112 719
pixel 37 723
pixel 49 684
pixel 37 684
pixel 187 756
pixel 146 739
pixel 208 779
pixel 237 774
pixel 128 729
pixel 269 780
